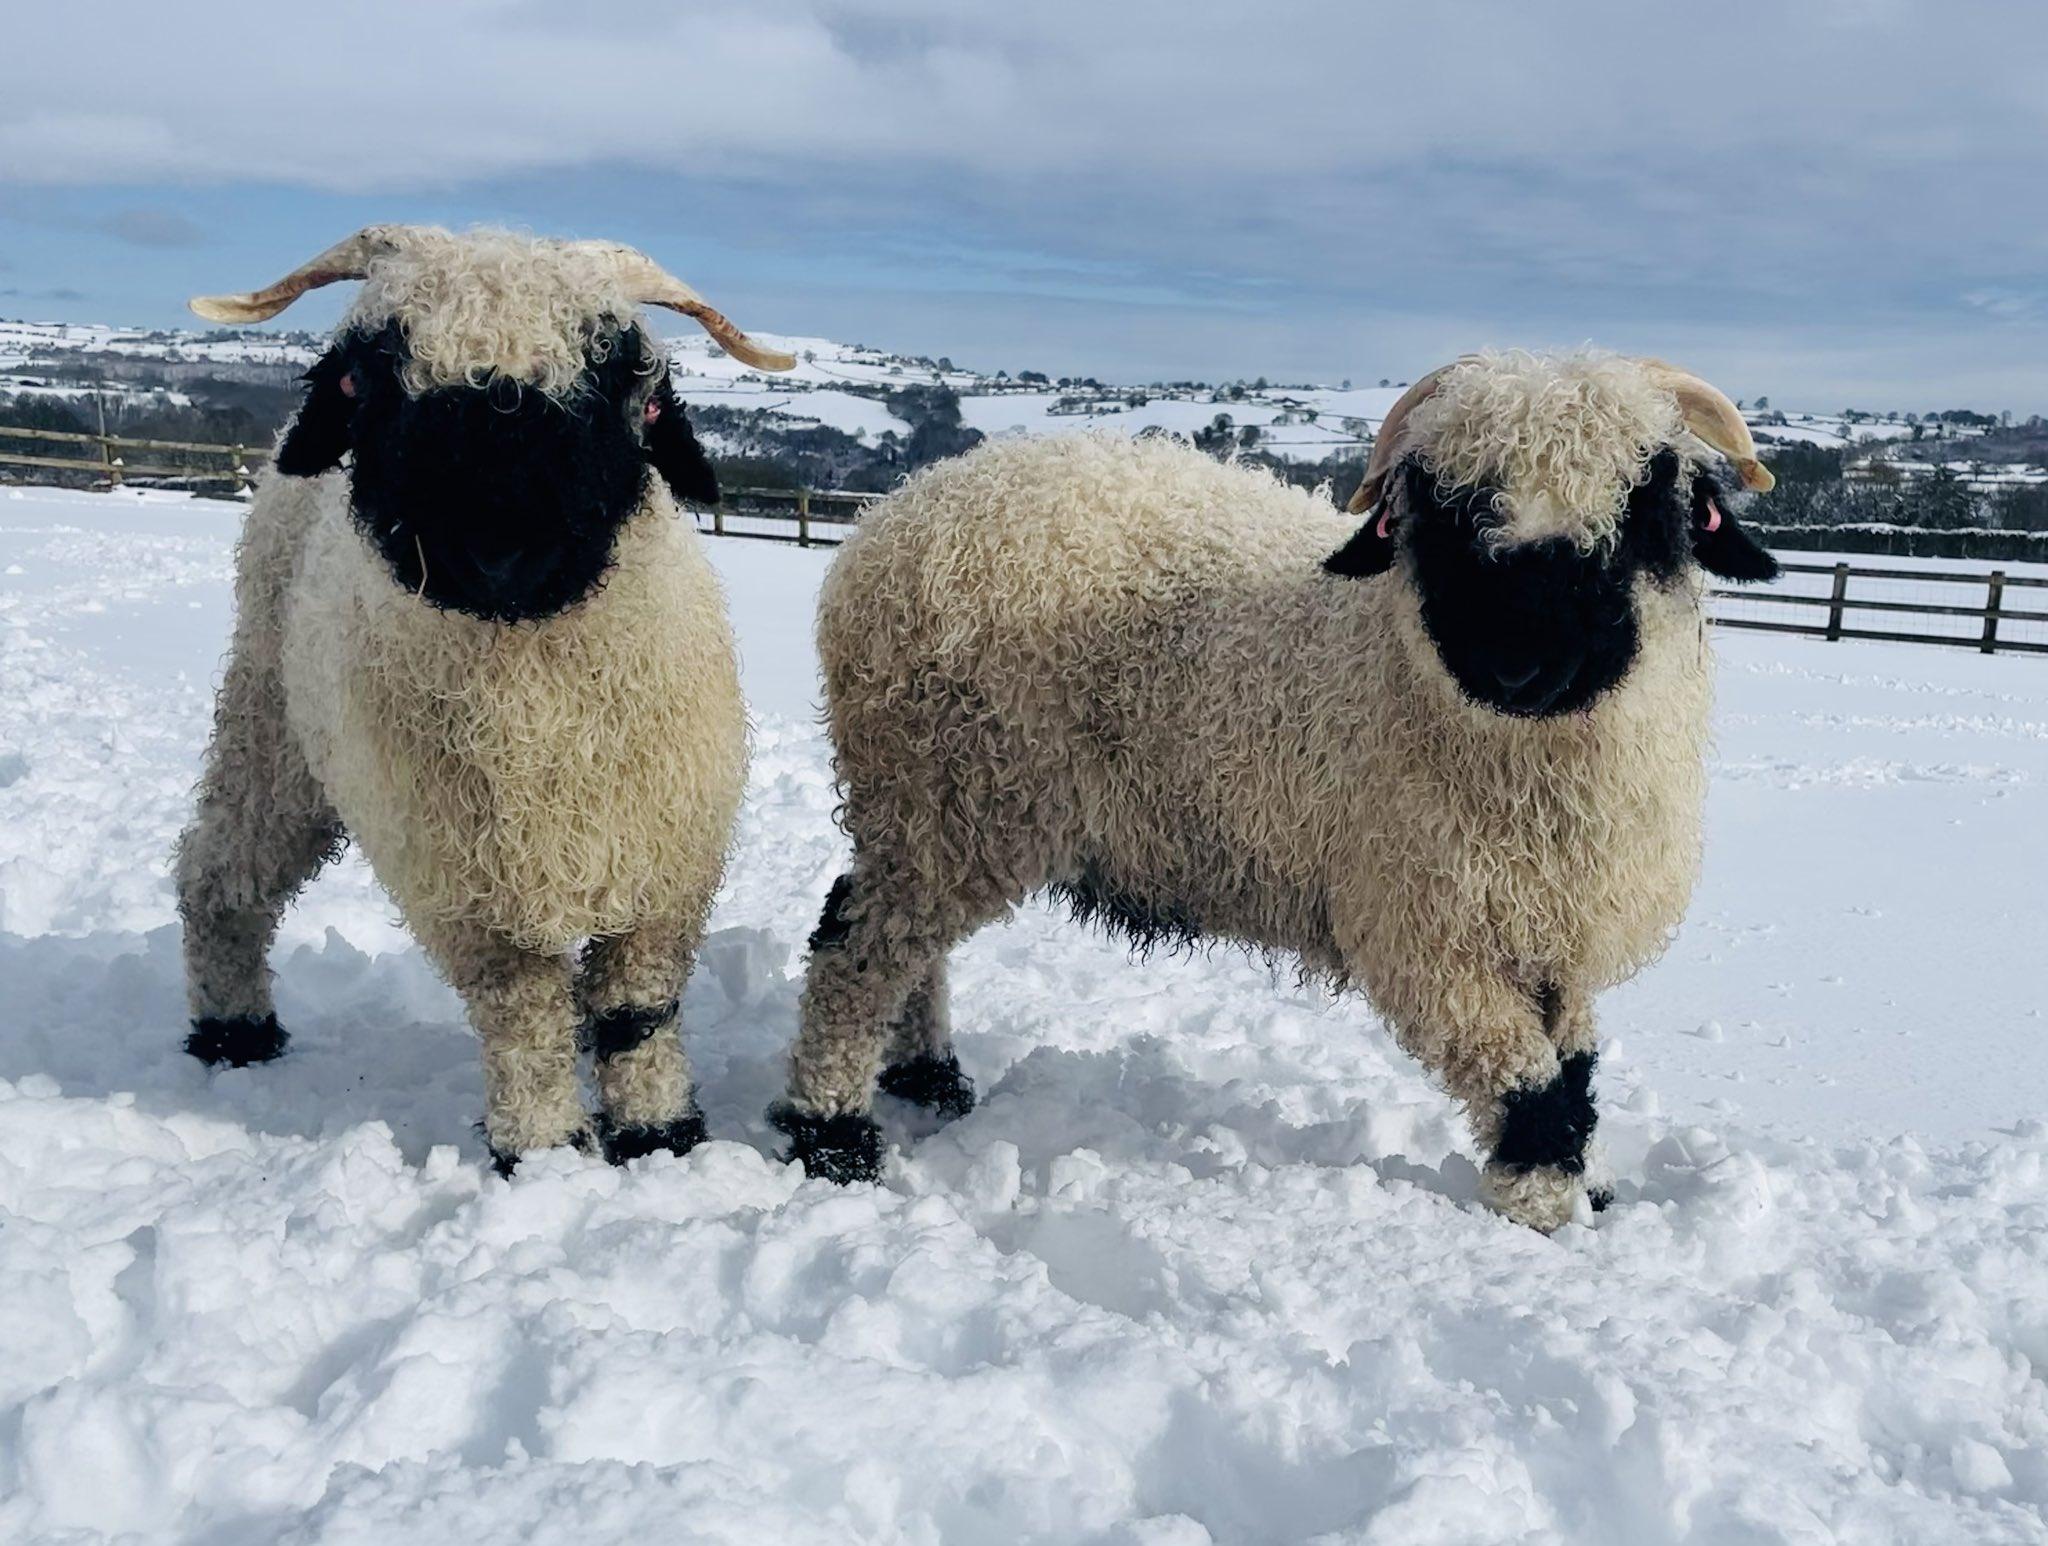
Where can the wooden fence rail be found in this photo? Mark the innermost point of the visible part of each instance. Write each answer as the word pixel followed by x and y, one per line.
pixel 823 517
pixel 1976 594
pixel 113 465
pixel 758 513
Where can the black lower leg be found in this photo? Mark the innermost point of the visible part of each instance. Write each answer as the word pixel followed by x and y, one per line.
pixel 626 1026
pixel 931 1081
pixel 1550 1125
pixel 842 1148
pixel 634 1141
pixel 236 1040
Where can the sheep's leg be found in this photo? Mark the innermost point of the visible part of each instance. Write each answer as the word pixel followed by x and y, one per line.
pixel 523 1005
pixel 1569 1022
pixel 882 935
pixel 922 1066
pixel 1530 1107
pixel 261 831
pixel 631 990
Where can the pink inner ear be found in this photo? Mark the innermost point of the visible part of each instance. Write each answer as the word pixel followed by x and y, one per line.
pixel 653 410
pixel 1713 516
pixel 1383 530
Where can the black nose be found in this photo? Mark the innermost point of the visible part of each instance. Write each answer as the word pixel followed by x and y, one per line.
pixel 1514 675
pixel 508 574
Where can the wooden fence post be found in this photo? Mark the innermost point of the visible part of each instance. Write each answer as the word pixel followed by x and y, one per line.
pixel 718 519
pixel 1835 601
pixel 1993 599
pixel 107 444
pixel 803 518
pixel 241 472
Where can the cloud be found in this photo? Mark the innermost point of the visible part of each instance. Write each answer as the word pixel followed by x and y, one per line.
pixel 1188 91
pixel 60 293
pixel 1365 146
pixel 1588 167
pixel 150 228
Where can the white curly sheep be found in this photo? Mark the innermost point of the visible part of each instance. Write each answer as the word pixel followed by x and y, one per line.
pixel 473 634
pixel 1452 756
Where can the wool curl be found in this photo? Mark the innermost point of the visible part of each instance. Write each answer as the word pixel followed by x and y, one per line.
pixel 489 304
pixel 1562 438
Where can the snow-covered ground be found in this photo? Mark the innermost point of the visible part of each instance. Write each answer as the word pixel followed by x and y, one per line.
pixel 1206 1265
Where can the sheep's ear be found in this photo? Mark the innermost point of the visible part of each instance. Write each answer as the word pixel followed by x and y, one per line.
pixel 1720 543
pixel 1370 550
pixel 673 448
pixel 319 433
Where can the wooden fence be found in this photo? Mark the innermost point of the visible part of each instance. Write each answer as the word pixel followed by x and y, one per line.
pixel 112 462
pixel 1852 599
pixel 1972 609
pixel 808 517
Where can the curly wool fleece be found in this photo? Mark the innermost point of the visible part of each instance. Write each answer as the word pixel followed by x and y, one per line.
pixel 1560 438
pixel 492 303
pixel 1122 662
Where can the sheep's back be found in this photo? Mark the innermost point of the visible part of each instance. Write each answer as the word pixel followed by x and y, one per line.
pixel 1039 558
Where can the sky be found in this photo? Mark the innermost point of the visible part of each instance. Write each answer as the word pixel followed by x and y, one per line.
pixel 1831 202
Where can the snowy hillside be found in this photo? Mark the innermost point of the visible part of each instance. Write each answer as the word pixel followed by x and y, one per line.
pixel 837 385
pixel 1206 1266
pixel 843 387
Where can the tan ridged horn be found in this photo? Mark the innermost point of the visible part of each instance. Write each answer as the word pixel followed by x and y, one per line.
pixel 1386 444
pixel 346 259
pixel 652 285
pixel 1714 419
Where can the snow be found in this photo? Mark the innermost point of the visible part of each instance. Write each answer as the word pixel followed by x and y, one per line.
pixel 1206 1265
pixel 1828 430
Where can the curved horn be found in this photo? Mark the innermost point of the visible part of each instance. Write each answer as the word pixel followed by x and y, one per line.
pixel 1386 444
pixel 347 259
pixel 650 284
pixel 1711 417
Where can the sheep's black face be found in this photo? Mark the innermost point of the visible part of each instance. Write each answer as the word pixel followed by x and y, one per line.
pixel 1530 629
pixel 1538 629
pixel 497 500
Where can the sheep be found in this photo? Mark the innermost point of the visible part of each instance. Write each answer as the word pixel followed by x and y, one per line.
pixel 486 648
pixel 1452 757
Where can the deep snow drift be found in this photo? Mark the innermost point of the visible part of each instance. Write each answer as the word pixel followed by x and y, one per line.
pixel 1206 1264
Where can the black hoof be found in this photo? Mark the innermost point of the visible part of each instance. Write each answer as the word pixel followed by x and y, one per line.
pixel 1601 1197
pixel 844 1148
pixel 237 1041
pixel 935 1083
pixel 631 1143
